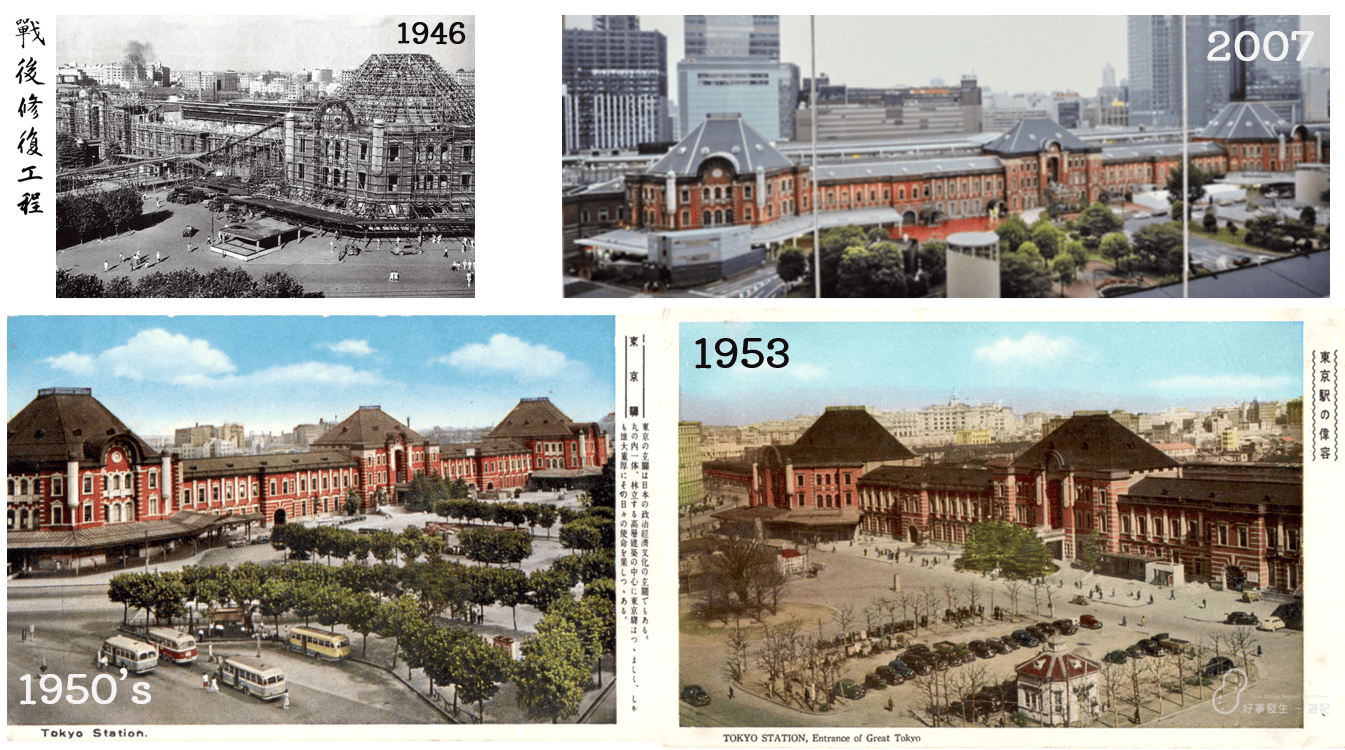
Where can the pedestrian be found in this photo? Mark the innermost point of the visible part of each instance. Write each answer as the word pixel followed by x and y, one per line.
pixel 1142 620
pixel 730 692
pixel 104 266
pixel 1258 649
pixel 1123 621
pixel 1113 593
pixel 1172 594
pixel 205 681
pixel 1203 602
pixel 1151 598
pixel 156 257
pixel 214 686
pixel 286 705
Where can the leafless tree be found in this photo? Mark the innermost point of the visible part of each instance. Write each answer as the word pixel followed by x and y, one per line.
pixel 777 653
pixel 1084 699
pixel 845 617
pixel 767 586
pixel 930 600
pixel 1241 643
pixel 739 565
pixel 1136 675
pixel 905 601
pixel 952 597
pixel 1158 671
pixel 966 681
pixel 873 612
pixel 1112 680
pixel 973 596
pixel 1014 589
pixel 890 609
pixel 736 642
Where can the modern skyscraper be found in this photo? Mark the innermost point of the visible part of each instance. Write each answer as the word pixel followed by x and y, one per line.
pixel 1156 73
pixel 733 66
pixel 732 36
pixel 614 82
pixel 1109 76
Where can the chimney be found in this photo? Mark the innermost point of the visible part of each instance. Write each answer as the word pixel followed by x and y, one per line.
pixel 408 421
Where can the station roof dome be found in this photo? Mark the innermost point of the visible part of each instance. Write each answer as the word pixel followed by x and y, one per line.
pixel 406 88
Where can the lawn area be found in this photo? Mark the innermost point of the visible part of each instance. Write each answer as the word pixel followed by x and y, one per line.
pixel 1228 238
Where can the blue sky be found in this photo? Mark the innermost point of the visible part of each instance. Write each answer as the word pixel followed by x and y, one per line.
pixel 273 372
pixel 1054 367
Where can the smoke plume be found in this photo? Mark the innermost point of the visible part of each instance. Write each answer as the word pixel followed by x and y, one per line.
pixel 139 53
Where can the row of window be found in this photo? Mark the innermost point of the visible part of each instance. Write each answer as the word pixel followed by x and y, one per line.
pixel 196 492
pixel 442 152
pixel 24 518
pixel 113 482
pixel 824 480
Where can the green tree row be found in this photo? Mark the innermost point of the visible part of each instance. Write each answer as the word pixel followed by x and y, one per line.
pixel 84 216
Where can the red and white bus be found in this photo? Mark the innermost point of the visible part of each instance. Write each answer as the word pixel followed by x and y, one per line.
pixel 173 644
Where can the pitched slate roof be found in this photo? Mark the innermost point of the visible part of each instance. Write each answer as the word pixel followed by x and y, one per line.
pixel 845 436
pixel 1278 494
pixel 535 418
pixel 1245 121
pixel 1094 441
pixel 65 424
pixel 184 523
pixel 368 427
pixel 728 137
pixel 936 476
pixel 197 468
pixel 1031 136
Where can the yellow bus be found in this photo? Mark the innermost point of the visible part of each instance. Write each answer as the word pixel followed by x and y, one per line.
pixel 173 644
pixel 253 677
pixel 136 656
pixel 314 642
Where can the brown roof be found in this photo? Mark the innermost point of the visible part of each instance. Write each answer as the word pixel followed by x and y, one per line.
pixel 1094 442
pixel 197 468
pixel 1277 494
pixel 486 447
pixel 64 424
pixel 182 524
pixel 533 419
pixel 1057 667
pixel 368 427
pixel 937 476
pixel 846 436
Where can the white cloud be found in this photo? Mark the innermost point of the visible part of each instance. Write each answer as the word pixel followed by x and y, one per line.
pixel 1031 349
pixel 507 354
pixel 312 373
pixel 153 355
pixel 359 348
pixel 1222 383
pixel 75 364
pixel 805 371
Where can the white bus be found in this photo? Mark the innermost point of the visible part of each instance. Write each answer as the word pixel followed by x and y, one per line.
pixel 136 656
pixel 253 677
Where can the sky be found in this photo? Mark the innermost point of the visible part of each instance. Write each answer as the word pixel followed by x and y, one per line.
pixel 1053 367
pixel 1006 53
pixel 274 372
pixel 254 43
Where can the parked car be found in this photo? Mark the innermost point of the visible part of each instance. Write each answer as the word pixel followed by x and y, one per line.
pixel 1271 623
pixel 1067 627
pixel 261 539
pixel 1010 642
pixel 695 695
pixel 1137 652
pixel 239 542
pixel 1090 622
pixel 982 649
pixel 1241 618
pixel 917 648
pixel 1026 639
pixel 890 676
pixel 1050 628
pixel 945 647
pixel 902 668
pixel 999 645
pixel 943 661
pixel 1150 647
pixel 1116 657
pixel 1217 666
pixel 874 681
pixel 848 688
pixel 1173 645
pixel 1250 596
pixel 919 665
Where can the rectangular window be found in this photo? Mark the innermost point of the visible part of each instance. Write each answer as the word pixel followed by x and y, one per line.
pixel 153 480
pixel 466 153
pixel 88 484
pixel 392 183
pixel 1243 537
pixel 1223 535
pixel 394 152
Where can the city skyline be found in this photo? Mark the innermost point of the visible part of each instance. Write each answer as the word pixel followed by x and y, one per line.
pixel 253 43
pixel 272 373
pixel 862 51
pixel 1047 367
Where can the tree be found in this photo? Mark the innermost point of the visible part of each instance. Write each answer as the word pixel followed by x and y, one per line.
pixel 552 674
pixel 511 590
pixel 485 667
pixel 736 642
pixel 1031 253
pixel 791 265
pixel 398 619
pixel 1013 232
pixel 932 258
pixel 1159 248
pixel 1115 247
pixel 581 534
pixel 1195 188
pixel 737 562
pixel 593 620
pixel 1308 215
pixel 548 587
pixel 1097 221
pixel 361 615
pixel 1210 221
pixel 1013 550
pixel 1065 269
pixel 69 154
pixel 1047 237
pixel 833 244
pixel 122 205
pixel 352 502
pixel 871 272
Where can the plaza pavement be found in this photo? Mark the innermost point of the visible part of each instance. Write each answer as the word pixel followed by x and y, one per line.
pixel 313 261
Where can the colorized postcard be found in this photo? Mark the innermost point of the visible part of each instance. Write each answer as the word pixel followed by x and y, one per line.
pixel 910 527
pixel 192 541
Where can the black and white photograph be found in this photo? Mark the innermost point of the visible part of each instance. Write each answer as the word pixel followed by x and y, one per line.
pixel 928 157
pixel 264 156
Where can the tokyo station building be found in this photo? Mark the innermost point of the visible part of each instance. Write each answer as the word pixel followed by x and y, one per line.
pixel 1089 478
pixel 724 174
pixel 81 482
